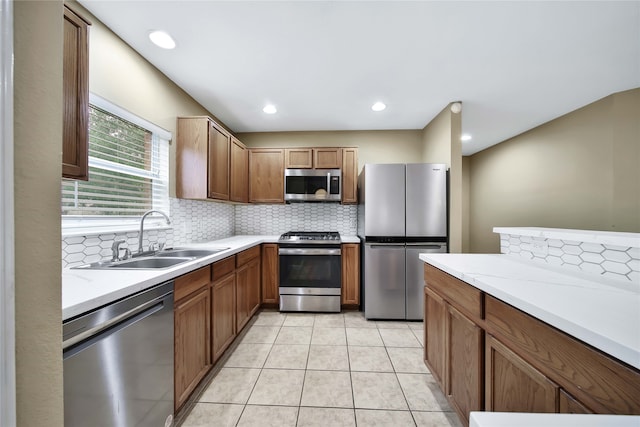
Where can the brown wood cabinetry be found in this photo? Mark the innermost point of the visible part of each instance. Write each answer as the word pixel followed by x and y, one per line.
pixel 464 348
pixel 192 332
pixel 350 274
pixel 349 175
pixel 218 164
pixel 223 296
pixel 308 158
pixel 270 272
pixel 454 340
pixel 486 354
pixel 327 158
pixel 239 179
pixel 298 158
pixel 202 159
pixel 75 95
pixel 266 175
pixel 435 314
pixel 513 385
pixel 247 285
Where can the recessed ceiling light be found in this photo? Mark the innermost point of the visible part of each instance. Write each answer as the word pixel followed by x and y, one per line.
pixel 465 137
pixel 270 109
pixel 162 39
pixel 378 106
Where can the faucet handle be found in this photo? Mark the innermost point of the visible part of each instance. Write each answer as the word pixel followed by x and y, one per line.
pixel 115 250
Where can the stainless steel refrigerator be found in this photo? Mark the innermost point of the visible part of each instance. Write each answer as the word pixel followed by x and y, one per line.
pixel 402 213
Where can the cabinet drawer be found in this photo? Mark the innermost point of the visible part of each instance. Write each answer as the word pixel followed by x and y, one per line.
pixel 597 380
pixel 191 282
pixel 245 256
pixel 460 295
pixel 223 267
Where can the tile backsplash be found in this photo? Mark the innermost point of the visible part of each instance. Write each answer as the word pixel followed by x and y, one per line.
pixel 616 262
pixel 200 221
pixel 278 219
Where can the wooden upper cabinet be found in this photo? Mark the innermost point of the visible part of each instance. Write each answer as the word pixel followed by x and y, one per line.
pixel 327 158
pixel 218 165
pixel 349 175
pixel 202 159
pixel 298 158
pixel 310 158
pixel 266 175
pixel 75 87
pixel 239 185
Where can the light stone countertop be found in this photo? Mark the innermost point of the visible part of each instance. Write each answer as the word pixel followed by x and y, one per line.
pixel 587 236
pixel 511 419
pixel 600 312
pixel 86 290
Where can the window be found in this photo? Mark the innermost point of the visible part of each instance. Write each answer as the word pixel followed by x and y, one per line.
pixel 128 171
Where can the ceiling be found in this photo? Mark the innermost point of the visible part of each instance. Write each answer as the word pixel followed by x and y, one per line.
pixel 513 65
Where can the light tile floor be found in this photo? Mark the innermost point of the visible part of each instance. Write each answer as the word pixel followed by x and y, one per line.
pixel 330 370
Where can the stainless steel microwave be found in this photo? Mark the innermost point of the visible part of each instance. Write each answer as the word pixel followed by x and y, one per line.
pixel 312 185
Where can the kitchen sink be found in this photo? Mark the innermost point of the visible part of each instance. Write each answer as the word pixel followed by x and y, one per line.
pixel 183 252
pixel 153 260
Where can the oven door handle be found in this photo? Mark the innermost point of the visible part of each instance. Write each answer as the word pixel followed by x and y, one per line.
pixel 308 251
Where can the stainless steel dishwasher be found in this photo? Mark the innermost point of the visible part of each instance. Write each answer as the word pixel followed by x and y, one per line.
pixel 118 362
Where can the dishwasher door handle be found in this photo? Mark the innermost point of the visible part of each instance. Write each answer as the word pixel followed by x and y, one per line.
pixel 76 344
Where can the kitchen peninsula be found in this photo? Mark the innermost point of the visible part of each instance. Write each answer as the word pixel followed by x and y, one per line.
pixel 513 332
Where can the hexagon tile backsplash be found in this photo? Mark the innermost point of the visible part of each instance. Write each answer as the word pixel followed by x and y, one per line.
pixel 199 221
pixel 612 261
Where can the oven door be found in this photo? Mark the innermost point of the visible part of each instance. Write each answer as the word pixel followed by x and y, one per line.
pixel 310 270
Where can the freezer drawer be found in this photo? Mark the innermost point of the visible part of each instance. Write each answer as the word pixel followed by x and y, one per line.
pixel 415 277
pixel 384 275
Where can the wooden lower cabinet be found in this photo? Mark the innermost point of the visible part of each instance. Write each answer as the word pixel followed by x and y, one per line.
pixel 270 273
pixel 435 313
pixel 223 314
pixel 513 385
pixel 350 255
pixel 247 291
pixel 192 333
pixel 486 354
pixel 464 348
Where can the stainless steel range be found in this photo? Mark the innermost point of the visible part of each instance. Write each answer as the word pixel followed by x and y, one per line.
pixel 310 271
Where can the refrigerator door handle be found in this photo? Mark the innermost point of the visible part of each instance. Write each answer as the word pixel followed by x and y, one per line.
pixel 425 246
pixel 385 245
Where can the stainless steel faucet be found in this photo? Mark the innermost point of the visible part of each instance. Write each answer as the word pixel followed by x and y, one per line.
pixel 147 213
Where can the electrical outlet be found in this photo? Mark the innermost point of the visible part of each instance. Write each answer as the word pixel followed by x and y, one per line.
pixel 538 248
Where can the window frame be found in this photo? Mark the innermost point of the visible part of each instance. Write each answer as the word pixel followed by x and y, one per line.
pixel 77 225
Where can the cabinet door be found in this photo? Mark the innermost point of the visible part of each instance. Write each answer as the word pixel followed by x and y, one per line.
pixel 254 288
pixel 192 324
pixel 223 314
pixel 513 385
pixel 192 136
pixel 218 165
pixel 298 158
pixel 266 175
pixel 242 297
pixel 464 363
pixel 351 273
pixel 435 314
pixel 270 273
pixel 349 175
pixel 239 185
pixel 327 158
pixel 75 95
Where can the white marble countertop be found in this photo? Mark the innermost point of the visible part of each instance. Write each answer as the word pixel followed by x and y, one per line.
pixel 588 236
pixel 85 290
pixel 600 312
pixel 511 419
